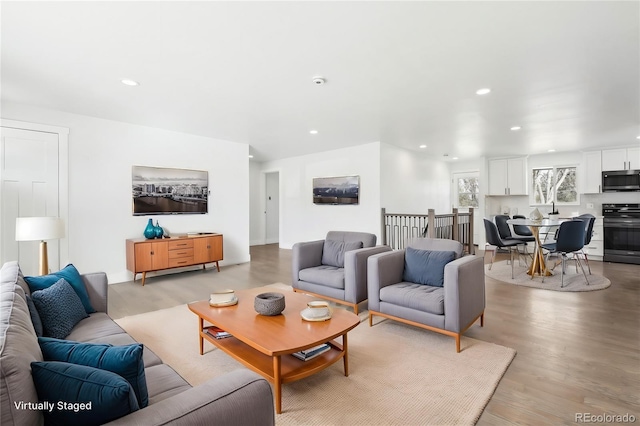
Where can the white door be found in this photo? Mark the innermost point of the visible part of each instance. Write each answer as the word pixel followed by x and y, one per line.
pixel 28 187
pixel 272 209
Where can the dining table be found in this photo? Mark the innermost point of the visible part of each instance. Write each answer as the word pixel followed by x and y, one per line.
pixel 538 266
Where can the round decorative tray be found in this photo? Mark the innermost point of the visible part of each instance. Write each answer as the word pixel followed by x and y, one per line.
pixel 231 302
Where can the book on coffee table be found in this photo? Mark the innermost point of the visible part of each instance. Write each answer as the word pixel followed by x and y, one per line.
pixel 310 353
pixel 217 332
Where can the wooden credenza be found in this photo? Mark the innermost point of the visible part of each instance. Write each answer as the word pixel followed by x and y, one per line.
pixel 155 255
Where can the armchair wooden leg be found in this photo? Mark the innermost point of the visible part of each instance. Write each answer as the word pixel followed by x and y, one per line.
pixel 482 320
pixel 355 309
pixel 370 320
pixel 458 343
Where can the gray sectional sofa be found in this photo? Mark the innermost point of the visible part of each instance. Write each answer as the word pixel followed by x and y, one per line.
pixel 240 397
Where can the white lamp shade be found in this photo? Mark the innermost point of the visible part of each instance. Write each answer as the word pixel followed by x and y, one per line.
pixel 39 228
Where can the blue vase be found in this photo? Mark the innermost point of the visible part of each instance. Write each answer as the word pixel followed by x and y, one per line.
pixel 158 230
pixel 150 231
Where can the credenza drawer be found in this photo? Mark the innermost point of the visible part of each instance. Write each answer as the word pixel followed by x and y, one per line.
pixel 181 261
pixel 180 253
pixel 180 244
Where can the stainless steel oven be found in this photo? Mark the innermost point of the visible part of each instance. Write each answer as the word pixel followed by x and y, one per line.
pixel 621 233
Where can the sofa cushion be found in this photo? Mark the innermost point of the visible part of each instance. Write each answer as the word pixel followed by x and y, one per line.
pixel 125 361
pixel 426 266
pixel 420 297
pixel 106 395
pixel 96 326
pixel 163 382
pixel 333 251
pixel 330 276
pixel 60 309
pixel 35 317
pixel 71 275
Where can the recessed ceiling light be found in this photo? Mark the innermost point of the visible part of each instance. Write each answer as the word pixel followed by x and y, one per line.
pixel 422 146
pixel 129 82
pixel 313 132
pixel 515 128
pixel 250 156
pixel 483 91
pixel 454 158
pixel 551 150
pixel 637 137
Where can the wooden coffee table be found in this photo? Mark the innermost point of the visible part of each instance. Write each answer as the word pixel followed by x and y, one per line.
pixel 265 343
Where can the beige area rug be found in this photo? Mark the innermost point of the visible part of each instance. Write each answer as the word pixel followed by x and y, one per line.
pixel 399 375
pixel 501 271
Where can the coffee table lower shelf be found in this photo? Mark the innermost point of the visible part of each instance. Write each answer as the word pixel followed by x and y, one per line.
pixel 283 368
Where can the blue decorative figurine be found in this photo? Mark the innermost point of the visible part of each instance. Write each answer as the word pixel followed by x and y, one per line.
pixel 158 230
pixel 150 231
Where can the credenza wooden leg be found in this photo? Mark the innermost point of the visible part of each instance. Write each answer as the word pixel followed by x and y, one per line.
pixel 217 266
pixel 144 275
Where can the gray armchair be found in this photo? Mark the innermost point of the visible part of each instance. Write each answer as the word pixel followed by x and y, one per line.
pixel 450 309
pixel 335 268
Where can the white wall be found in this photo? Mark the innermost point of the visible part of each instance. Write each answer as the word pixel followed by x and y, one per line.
pixel 412 183
pixel 300 219
pixel 256 204
pixel 101 153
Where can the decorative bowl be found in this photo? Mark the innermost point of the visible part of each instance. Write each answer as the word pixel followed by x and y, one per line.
pixel 269 304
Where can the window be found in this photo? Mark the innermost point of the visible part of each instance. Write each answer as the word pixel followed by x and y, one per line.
pixel 555 185
pixel 467 189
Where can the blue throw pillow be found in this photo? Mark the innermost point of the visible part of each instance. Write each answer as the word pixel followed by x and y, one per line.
pixel 35 317
pixel 125 361
pixel 60 309
pixel 71 275
pixel 81 395
pixel 426 266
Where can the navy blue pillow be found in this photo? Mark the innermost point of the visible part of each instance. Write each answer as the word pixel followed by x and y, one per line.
pixel 426 266
pixel 35 317
pixel 71 275
pixel 105 395
pixel 125 361
pixel 60 309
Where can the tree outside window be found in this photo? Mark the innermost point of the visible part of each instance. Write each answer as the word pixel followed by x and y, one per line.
pixel 468 190
pixel 555 185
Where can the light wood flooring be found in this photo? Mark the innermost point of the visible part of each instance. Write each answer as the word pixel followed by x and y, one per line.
pixel 577 352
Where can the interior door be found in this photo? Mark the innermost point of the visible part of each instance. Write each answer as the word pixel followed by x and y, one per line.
pixel 272 210
pixel 29 186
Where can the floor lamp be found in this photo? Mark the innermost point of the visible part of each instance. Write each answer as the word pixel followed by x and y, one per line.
pixel 40 228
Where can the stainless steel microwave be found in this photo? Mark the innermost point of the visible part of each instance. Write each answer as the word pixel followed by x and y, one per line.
pixel 621 180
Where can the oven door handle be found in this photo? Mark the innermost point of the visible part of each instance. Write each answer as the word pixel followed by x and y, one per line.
pixel 621 223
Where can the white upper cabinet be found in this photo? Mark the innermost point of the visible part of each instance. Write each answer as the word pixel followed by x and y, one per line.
pixel 508 176
pixel 592 172
pixel 621 159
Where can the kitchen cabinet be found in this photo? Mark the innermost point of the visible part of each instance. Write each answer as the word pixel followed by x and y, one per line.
pixel 508 176
pixel 155 255
pixel 592 172
pixel 621 159
pixel 595 248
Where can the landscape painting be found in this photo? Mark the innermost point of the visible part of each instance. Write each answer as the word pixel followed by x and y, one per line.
pixel 159 190
pixel 336 190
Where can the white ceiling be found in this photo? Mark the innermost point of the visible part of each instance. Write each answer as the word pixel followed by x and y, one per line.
pixel 402 73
